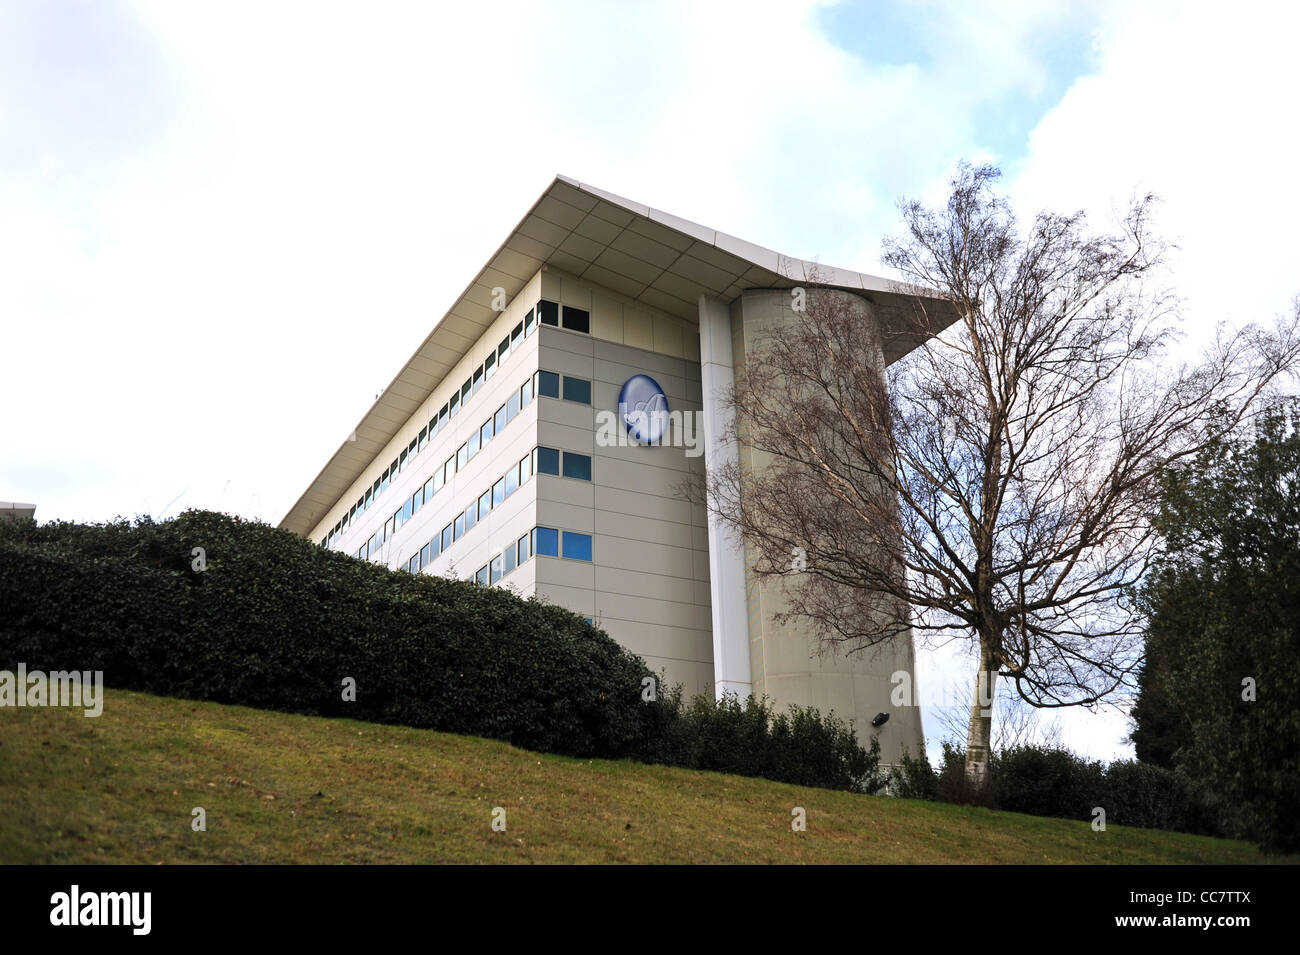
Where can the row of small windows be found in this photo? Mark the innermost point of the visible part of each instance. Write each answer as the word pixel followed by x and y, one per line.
pixel 542 382
pixel 538 461
pixel 544 313
pixel 539 542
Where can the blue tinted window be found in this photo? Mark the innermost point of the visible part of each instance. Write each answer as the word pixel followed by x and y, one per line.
pixel 481 578
pixel 498 492
pixel 462 454
pixel 548 461
pixel 548 384
pixel 426 555
pixel 577 466
pixel 512 406
pixel 499 420
pixel 577 389
pixel 484 504
pixel 486 432
pixel 496 569
pixel 448 535
pixel 546 542
pixel 460 527
pixel 471 446
pixel 526 394
pixel 512 480
pixel 509 556
pixel 577 546
pixel 525 548
pixel 471 515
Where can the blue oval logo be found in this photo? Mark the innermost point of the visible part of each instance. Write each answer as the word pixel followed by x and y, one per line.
pixel 643 406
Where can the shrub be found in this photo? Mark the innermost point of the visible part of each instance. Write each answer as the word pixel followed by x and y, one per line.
pixel 1046 781
pixel 275 622
pixel 914 778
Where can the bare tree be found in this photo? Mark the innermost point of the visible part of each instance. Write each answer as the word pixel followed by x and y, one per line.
pixel 998 483
pixel 1015 723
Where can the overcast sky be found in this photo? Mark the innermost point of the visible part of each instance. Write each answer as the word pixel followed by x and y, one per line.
pixel 225 227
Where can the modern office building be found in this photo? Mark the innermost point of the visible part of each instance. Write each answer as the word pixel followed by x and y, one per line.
pixel 494 456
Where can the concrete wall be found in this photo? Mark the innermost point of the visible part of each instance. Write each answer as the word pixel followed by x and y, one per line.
pixel 786 661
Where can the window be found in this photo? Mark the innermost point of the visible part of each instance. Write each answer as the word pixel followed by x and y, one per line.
pixel 478 382
pixel 577 546
pixel 484 503
pixel 424 435
pixel 510 555
pixel 577 466
pixel 577 319
pixel 490 366
pixel 448 536
pixel 499 419
pixel 517 336
pixel 512 479
pixel 433 485
pixel 442 417
pixel 503 349
pixel 472 444
pixel 462 454
pixel 525 548
pixel 449 470
pixel 369 496
pixel 486 431
pixel 388 528
pixel 453 405
pixel 496 570
pixel 417 501
pixel 459 530
pixel 577 389
pixel 526 394
pixel 466 389
pixel 413 565
pixel 499 493
pixel 548 461
pixel 525 470
pixel 383 481
pixel 471 516
pixel 426 555
pixel 548 384
pixel 401 462
pixel 408 508
pixel 546 542
pixel 529 323
pixel 548 312
pixel 481 578
pixel 512 407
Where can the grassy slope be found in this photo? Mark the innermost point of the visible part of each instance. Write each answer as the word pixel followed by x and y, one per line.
pixel 279 788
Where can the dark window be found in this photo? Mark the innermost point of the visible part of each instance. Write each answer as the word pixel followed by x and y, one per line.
pixel 577 466
pixel 490 366
pixel 549 312
pixel 577 389
pixel 548 461
pixel 548 384
pixel 577 546
pixel 577 319
pixel 546 542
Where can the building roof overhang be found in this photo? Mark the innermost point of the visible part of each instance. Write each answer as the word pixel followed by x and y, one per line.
pixel 650 256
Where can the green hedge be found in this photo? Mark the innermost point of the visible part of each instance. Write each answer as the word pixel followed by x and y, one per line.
pixel 274 621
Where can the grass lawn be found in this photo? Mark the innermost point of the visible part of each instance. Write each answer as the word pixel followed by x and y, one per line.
pixel 283 789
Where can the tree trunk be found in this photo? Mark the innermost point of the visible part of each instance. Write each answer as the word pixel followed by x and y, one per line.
pixel 979 733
